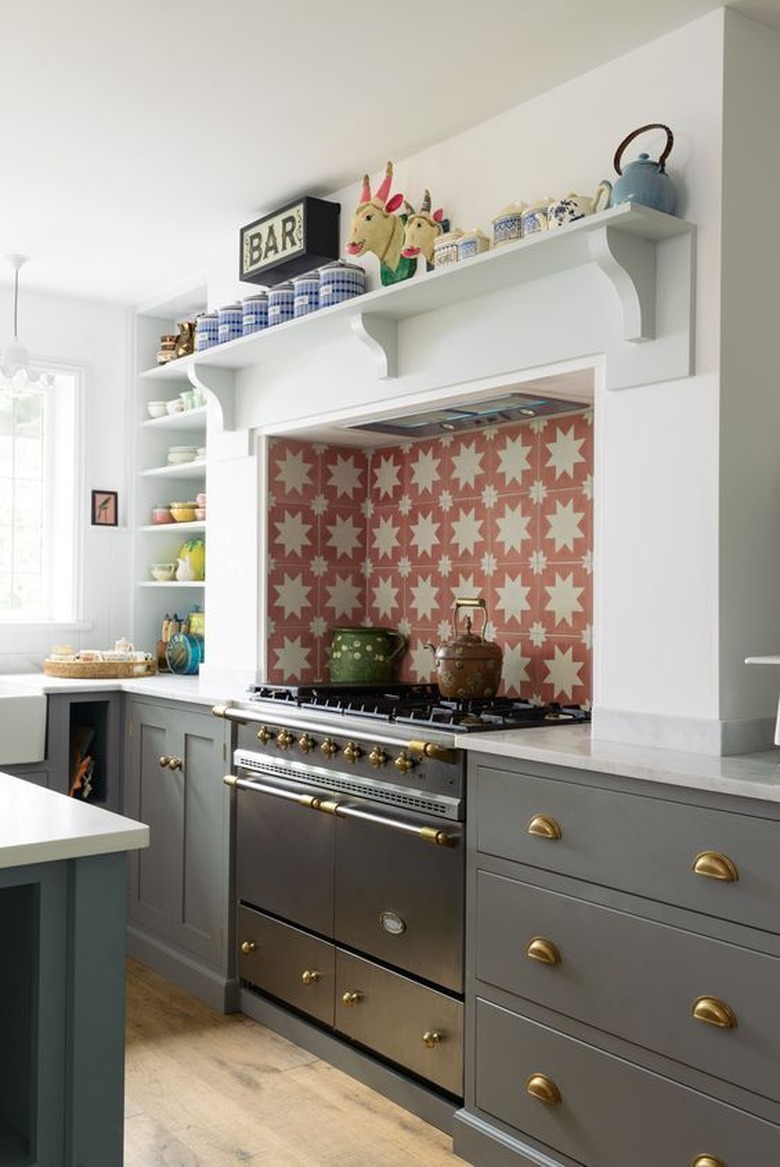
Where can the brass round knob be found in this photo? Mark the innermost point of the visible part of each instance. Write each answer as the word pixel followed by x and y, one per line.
pixel 352 752
pixel 175 764
pixel 350 999
pixel 544 827
pixel 264 735
pixel 163 760
pixel 543 950
pixel 707 1161
pixel 542 1088
pixel 310 976
pixel 431 1039
pixel 378 757
pixel 306 743
pixel 248 946
pixel 329 747
pixel 404 762
pixel 714 865
pixel 284 739
pixel 713 1011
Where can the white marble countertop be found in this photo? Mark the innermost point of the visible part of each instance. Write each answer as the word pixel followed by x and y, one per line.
pixel 744 775
pixel 164 685
pixel 39 826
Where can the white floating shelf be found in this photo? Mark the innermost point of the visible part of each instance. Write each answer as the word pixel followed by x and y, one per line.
pixel 194 469
pixel 185 419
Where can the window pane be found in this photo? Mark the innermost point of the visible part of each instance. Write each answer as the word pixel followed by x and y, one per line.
pixel 21 501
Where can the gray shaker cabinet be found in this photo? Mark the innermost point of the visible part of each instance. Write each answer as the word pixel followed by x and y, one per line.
pixel 179 888
pixel 623 968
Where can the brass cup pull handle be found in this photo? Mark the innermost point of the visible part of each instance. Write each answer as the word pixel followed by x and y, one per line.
pixel 543 950
pixel 707 1161
pixel 714 865
pixel 350 999
pixel 542 1088
pixel 544 827
pixel 713 1011
pixel 310 976
pixel 431 1039
pixel 248 946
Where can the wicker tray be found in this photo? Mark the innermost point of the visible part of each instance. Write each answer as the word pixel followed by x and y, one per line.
pixel 99 670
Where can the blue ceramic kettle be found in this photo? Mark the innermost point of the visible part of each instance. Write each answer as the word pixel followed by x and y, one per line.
pixel 645 181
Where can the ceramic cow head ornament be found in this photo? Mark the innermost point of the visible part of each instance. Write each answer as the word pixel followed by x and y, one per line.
pixel 422 229
pixel 376 227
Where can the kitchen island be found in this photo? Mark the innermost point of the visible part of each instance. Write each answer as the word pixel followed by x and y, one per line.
pixel 62 910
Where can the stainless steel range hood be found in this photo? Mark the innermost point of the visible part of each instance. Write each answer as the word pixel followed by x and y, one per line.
pixel 449 419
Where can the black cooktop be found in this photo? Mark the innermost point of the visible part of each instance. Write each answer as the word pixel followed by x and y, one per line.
pixel 420 705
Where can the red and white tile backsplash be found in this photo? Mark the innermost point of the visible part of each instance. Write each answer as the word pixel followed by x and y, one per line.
pixel 391 537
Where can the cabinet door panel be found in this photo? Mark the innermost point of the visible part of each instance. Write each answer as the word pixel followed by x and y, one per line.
pixel 634 843
pixel 158 804
pixel 610 1112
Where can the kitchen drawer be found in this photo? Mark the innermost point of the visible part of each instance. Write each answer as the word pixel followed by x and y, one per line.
pixel 610 1113
pixel 634 978
pixel 633 843
pixel 288 964
pixel 402 1020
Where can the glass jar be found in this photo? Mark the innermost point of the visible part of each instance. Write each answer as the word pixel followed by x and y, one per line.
pixel 340 281
pixel 281 304
pixel 231 323
pixel 255 313
pixel 206 331
pixel 307 293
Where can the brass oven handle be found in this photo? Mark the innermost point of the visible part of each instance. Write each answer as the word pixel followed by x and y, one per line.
pixel 543 950
pixel 713 1011
pixel 350 999
pixel 544 827
pixel 715 865
pixel 248 946
pixel 542 1088
pixel 433 750
pixel 310 976
pixel 431 1038
pixel 707 1161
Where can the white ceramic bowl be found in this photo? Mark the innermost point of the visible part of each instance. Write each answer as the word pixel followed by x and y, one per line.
pixel 178 454
pixel 157 408
pixel 163 572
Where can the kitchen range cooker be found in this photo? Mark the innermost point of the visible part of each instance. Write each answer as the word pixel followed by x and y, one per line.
pixel 350 859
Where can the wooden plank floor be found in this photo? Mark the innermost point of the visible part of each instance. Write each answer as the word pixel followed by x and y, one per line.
pixel 207 1090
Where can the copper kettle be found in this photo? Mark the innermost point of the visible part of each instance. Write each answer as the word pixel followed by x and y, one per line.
pixel 469 666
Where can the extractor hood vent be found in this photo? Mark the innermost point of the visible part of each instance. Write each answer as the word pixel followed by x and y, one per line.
pixel 477 415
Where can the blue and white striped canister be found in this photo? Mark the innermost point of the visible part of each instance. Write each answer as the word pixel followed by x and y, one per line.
pixel 340 281
pixel 281 304
pixel 231 322
pixel 206 331
pixel 255 315
pixel 307 293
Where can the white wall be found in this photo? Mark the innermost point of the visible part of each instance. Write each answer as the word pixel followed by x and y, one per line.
pixel 96 337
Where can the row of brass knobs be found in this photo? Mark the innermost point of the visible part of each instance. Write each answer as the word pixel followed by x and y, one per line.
pixel 544 1089
pixel 710 864
pixel 352 752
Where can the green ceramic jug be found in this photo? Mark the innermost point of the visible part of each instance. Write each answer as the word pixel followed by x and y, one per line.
pixel 365 655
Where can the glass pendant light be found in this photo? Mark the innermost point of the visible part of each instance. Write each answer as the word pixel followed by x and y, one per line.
pixel 16 376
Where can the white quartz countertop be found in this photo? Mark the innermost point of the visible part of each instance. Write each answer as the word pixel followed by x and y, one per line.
pixel 744 775
pixel 164 686
pixel 39 826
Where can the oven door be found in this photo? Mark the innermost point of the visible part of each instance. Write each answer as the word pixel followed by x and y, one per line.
pixel 384 882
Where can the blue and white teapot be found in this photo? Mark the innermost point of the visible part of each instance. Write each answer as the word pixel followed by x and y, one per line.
pixel 645 181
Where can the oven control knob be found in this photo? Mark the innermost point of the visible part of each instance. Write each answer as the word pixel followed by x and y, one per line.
pixel 352 752
pixel 378 757
pixel 350 999
pixel 284 739
pixel 404 762
pixel 306 742
pixel 329 747
pixel 264 735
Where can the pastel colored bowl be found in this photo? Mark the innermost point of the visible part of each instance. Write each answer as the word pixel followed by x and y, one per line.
pixel 183 514
pixel 157 408
pixel 163 572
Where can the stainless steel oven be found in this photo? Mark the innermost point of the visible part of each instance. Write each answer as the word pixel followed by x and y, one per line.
pixel 350 864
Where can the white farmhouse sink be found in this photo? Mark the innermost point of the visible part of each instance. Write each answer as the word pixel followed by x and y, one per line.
pixel 22 724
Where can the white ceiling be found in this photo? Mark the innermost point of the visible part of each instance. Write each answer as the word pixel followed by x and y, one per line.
pixel 137 138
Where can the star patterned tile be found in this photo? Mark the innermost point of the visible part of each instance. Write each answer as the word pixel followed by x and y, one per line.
pixel 394 536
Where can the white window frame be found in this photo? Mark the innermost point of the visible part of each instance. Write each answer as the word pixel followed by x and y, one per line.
pixel 64 517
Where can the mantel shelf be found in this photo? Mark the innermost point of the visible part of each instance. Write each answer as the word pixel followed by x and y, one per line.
pixel 621 241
